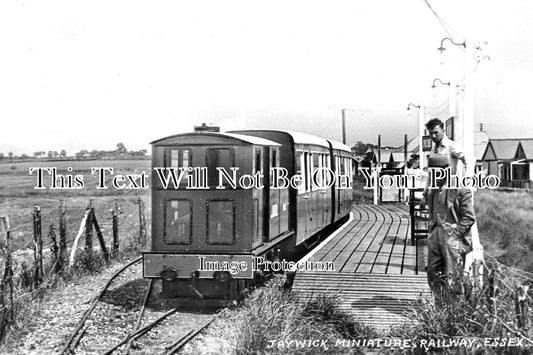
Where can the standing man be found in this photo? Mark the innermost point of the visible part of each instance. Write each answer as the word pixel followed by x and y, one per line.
pixel 442 145
pixel 451 216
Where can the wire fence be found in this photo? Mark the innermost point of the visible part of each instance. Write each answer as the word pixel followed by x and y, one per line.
pixel 36 252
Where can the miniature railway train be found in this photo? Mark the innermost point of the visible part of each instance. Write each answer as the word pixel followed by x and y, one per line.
pixel 222 208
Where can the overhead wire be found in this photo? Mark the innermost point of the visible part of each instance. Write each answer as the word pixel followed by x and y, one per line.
pixel 446 102
pixel 447 28
pixel 440 112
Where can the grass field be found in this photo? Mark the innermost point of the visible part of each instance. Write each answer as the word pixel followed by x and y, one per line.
pixel 18 196
pixel 505 219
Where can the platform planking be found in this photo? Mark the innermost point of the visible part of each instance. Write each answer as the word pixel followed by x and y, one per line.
pixel 381 262
pixel 375 247
pixel 380 301
pixel 377 241
pixel 379 276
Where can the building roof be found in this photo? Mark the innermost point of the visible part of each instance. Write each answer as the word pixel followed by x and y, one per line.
pixel 412 145
pixel 399 157
pixel 527 146
pixel 501 149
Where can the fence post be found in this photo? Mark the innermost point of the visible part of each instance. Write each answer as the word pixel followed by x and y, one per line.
pixel 38 248
pixel 89 230
pixel 7 280
pixel 142 224
pixel 62 236
pixel 521 306
pixel 114 217
pixel 99 235
pixel 54 248
pixel 77 238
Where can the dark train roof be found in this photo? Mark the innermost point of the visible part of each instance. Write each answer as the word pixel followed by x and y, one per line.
pixel 241 137
pixel 304 138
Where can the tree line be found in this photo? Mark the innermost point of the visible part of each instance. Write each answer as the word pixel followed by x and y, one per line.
pixel 120 152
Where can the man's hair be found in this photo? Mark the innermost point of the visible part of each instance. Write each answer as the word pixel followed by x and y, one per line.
pixel 433 123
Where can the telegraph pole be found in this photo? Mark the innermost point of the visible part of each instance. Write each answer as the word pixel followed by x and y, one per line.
pixel 421 122
pixel 468 128
pixel 452 101
pixel 344 126
pixel 468 109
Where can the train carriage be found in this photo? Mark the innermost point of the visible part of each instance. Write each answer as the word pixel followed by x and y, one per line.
pixel 344 166
pixel 215 205
pixel 314 205
pixel 203 217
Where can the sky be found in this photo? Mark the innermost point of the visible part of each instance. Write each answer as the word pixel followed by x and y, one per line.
pixel 87 75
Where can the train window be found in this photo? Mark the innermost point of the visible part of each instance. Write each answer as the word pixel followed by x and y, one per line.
pixel 327 165
pixel 306 171
pixel 178 158
pixel 221 222
pixel 274 158
pixel 324 175
pixel 299 162
pixel 219 158
pixel 257 160
pixel 178 220
pixel 315 158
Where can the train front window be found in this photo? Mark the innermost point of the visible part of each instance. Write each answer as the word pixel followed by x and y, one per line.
pixel 221 222
pixel 179 158
pixel 219 158
pixel 178 217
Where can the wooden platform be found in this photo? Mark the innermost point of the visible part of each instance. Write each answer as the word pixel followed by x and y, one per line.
pixel 378 274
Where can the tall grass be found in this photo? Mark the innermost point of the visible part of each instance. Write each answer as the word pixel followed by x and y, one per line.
pixel 505 222
pixel 272 318
pixel 460 310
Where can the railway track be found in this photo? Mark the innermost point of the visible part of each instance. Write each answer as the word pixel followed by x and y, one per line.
pixel 142 325
pixel 152 326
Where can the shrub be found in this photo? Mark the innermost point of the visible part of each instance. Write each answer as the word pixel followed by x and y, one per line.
pixel 459 309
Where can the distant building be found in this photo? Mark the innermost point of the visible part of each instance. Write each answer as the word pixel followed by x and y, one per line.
pixel 395 157
pixel 511 160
